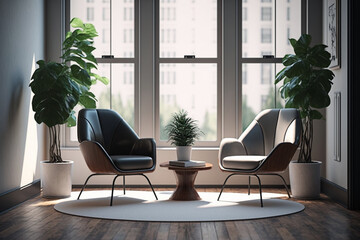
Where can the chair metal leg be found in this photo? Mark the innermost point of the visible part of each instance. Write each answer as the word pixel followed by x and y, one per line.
pixel 124 184
pixel 150 185
pixel 286 187
pixel 112 190
pixel 261 200
pixel 223 186
pixel 249 185
pixel 283 180
pixel 82 189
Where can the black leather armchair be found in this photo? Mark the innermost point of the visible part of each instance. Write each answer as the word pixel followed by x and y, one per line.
pixel 111 147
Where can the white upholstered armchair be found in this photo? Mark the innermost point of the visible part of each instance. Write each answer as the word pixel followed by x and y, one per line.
pixel 266 147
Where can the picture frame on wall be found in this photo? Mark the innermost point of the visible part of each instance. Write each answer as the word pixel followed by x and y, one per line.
pixel 333 32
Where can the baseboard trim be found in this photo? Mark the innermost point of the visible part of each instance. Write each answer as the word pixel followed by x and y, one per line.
pixel 334 191
pixel 13 198
pixel 173 186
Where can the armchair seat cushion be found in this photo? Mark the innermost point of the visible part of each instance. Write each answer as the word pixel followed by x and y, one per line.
pixel 244 162
pixel 132 162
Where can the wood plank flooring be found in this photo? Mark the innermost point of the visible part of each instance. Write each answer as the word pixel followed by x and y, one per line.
pixel 321 219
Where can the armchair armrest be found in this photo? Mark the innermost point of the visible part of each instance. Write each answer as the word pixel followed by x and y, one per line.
pixel 231 147
pixel 145 147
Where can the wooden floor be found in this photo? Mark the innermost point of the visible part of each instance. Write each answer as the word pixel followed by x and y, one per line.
pixel 321 219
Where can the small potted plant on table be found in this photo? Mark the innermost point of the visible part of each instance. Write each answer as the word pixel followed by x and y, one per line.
pixel 183 131
pixel 306 86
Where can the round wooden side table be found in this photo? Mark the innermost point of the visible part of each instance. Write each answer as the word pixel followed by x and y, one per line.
pixel 185 178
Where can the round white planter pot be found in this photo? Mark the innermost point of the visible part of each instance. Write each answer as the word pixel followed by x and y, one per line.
pixel 183 153
pixel 56 179
pixel 305 179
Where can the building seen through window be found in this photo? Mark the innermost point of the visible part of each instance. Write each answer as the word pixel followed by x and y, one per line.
pixel 190 27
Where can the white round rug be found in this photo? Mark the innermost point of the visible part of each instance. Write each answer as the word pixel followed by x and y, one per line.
pixel 142 206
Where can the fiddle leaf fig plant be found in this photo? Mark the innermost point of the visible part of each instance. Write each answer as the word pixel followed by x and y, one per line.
pixel 306 86
pixel 59 87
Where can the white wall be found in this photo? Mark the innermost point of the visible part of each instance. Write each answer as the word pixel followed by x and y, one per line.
pixel 21 139
pixel 336 172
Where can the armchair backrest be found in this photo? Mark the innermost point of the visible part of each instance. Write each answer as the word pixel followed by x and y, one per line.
pixel 269 128
pixel 106 127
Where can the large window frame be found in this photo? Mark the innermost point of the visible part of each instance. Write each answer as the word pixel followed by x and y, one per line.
pixel 229 60
pixel 269 59
pixel 197 60
pixel 111 59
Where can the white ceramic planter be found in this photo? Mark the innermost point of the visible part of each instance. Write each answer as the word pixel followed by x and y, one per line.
pixel 305 179
pixel 183 153
pixel 56 179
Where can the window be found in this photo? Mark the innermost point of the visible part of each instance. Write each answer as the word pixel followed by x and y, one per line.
pixel 105 35
pixel 90 14
pixel 193 25
pixel 288 36
pixel 116 34
pixel 106 14
pixel 244 75
pixel 244 14
pixel 266 73
pixel 259 91
pixel 266 35
pixel 182 80
pixel 199 85
pixel 266 14
pixel 288 13
pixel 244 36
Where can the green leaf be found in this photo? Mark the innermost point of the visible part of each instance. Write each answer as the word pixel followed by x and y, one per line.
pixel 104 80
pixel 90 66
pixel 304 40
pixel 91 58
pixel 280 75
pixel 87 101
pixel 71 51
pixel 289 59
pixel 293 42
pixel 76 59
pixel 69 41
pixel 90 29
pixel 295 69
pixel 319 57
pixel 319 97
pixel 302 44
pixel 81 74
pixel 77 23
pixel 71 121
pixel 45 77
pixel 314 114
pixel 83 36
pixel 289 103
pixel 85 47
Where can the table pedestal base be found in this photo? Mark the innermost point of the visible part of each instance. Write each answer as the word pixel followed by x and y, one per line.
pixel 185 190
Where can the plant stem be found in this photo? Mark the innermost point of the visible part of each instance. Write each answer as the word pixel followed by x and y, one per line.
pixel 54 149
pixel 306 142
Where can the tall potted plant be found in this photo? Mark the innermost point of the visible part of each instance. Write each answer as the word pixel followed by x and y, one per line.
pixel 306 86
pixel 183 131
pixel 58 88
